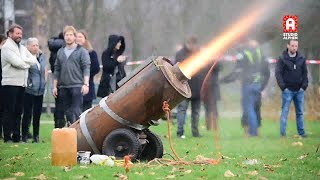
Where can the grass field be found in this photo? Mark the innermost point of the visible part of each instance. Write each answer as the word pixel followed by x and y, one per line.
pixel 274 158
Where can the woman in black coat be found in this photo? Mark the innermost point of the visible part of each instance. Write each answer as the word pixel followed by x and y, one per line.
pixel 82 39
pixel 113 65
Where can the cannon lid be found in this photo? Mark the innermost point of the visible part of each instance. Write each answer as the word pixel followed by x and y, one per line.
pixel 174 78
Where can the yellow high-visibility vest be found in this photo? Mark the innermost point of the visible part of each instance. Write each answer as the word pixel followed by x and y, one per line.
pixel 249 55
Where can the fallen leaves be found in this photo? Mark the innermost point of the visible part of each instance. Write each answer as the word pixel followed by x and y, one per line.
pixel 201 158
pixel 171 176
pixel 40 177
pixel 15 158
pixel 66 168
pixel 276 165
pixel 283 159
pixel 121 176
pixel 263 178
pixel 268 168
pixel 252 173
pixel 18 174
pixel 188 171
pixel 303 156
pixel 298 143
pixel 139 173
pixel 228 173
pixel 296 136
pixel 86 176
pixel 226 157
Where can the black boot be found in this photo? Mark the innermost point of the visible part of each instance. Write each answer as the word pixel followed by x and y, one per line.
pixel 29 135
pixel 35 139
pixel 24 139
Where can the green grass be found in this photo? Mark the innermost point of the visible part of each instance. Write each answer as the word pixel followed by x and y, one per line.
pixel 270 151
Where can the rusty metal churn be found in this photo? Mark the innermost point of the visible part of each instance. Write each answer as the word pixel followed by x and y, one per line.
pixel 118 126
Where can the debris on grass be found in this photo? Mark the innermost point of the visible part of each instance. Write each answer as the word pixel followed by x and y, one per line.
pixel 152 173
pixel 298 143
pixel 283 159
pixel 47 157
pixel 18 174
pixel 174 169
pixel 252 173
pixel 139 173
pixel 86 176
pixel 15 158
pixel 268 168
pixel 121 176
pixel 12 178
pixel 171 176
pixel 276 165
pixel 228 173
pixel 251 162
pixel 226 157
pixel 40 177
pixel 188 171
pixel 303 156
pixel 67 168
pixel 263 178
pixel 201 158
pixel 104 160
pixel 297 136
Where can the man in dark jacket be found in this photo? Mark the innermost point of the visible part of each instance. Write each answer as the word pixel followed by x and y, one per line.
pixel 195 84
pixel 113 65
pixel 292 78
pixel 2 41
pixel 54 44
pixel 254 72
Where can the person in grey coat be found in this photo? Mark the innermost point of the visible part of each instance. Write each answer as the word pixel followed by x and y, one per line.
pixel 71 75
pixel 33 97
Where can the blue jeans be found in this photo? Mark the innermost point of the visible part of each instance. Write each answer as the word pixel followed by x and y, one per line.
pixel 257 108
pixel 182 113
pixel 251 95
pixel 298 100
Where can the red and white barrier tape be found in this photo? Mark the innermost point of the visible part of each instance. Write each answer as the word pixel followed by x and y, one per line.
pixel 231 58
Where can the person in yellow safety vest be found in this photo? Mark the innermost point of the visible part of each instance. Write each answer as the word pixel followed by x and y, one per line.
pixel 253 69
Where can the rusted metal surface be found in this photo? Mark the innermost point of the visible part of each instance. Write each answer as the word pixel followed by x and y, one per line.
pixel 138 100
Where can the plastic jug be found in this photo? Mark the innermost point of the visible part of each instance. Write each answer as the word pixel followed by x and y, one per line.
pixel 64 147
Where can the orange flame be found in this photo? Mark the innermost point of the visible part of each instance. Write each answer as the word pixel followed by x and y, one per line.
pixel 219 45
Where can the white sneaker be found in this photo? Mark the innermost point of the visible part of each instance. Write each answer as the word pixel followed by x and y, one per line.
pixel 183 137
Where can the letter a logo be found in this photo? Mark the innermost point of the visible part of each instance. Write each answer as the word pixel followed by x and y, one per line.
pixel 290 24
